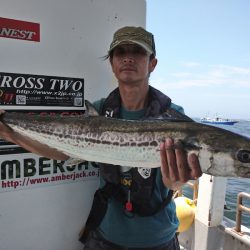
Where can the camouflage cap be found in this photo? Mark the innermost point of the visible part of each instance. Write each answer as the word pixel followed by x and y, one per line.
pixel 137 35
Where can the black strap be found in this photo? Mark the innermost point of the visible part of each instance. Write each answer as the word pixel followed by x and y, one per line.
pixel 98 209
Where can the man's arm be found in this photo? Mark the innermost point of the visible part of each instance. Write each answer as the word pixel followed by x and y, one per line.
pixel 33 146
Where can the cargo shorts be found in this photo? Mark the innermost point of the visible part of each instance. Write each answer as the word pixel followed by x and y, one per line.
pixel 96 242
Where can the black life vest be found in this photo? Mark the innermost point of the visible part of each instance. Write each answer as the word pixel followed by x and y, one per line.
pixel 141 190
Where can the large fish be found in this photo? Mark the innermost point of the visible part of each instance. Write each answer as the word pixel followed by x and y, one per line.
pixel 135 143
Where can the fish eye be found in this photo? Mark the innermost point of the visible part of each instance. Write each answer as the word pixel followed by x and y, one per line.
pixel 243 156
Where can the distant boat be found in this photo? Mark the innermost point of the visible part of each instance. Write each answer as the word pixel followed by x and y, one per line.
pixel 218 120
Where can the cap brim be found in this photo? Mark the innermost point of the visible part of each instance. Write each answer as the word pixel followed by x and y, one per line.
pixel 144 46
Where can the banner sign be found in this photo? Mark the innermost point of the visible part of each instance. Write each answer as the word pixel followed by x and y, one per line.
pixel 39 94
pixel 23 91
pixel 27 171
pixel 16 29
pixel 46 96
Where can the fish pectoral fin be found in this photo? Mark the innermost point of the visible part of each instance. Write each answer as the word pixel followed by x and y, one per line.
pixel 73 161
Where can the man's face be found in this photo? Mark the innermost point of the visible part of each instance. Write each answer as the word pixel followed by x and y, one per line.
pixel 131 64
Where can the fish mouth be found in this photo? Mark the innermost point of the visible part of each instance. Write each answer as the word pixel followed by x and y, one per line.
pixel 242 171
pixel 247 175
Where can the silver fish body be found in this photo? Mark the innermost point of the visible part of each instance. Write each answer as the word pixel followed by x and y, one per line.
pixel 136 143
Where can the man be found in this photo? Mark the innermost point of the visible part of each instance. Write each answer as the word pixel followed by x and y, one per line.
pixel 133 208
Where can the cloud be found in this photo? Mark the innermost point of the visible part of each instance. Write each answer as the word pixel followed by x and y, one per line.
pixel 234 70
pixel 190 64
pixel 204 76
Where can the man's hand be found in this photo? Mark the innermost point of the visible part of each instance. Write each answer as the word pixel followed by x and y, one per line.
pixel 176 166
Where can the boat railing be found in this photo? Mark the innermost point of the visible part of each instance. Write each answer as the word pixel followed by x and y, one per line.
pixel 241 208
pixel 229 234
pixel 194 186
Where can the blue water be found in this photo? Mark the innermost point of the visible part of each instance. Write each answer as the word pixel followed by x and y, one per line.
pixel 236 185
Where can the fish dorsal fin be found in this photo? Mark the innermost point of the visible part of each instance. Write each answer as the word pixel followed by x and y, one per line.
pixel 173 115
pixel 176 115
pixel 90 109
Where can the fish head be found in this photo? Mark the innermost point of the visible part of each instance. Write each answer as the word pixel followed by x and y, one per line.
pixel 222 152
pixel 238 148
pixel 232 155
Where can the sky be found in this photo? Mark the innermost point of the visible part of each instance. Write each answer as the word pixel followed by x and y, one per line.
pixel 203 52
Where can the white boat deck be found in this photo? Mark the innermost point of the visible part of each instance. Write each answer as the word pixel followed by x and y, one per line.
pixel 222 237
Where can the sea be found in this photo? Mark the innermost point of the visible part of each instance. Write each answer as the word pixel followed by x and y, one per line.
pixel 235 185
